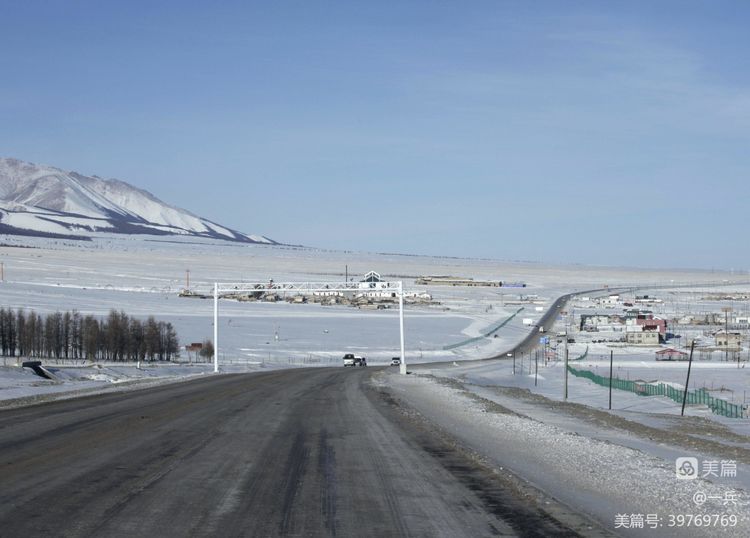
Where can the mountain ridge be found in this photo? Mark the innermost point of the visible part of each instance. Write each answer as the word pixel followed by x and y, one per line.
pixel 48 201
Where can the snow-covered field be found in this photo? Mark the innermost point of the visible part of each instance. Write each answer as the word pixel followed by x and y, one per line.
pixel 143 275
pixel 553 444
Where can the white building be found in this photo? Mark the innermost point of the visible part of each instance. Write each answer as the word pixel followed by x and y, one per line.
pixel 641 338
pixel 729 340
pixel 610 301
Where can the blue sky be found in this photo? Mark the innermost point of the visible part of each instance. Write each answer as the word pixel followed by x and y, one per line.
pixel 612 133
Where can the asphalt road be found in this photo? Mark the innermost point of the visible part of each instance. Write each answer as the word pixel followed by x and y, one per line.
pixel 313 452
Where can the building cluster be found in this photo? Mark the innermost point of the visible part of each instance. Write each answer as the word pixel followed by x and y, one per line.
pixel 370 292
pixel 636 325
pixel 722 341
pixel 443 280
pixel 733 320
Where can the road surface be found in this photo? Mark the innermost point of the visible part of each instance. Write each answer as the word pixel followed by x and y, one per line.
pixel 306 452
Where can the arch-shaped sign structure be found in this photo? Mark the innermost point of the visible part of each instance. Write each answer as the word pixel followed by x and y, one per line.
pixel 301 288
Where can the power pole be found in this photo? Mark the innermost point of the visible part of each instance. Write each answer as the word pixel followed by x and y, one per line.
pixel 726 310
pixel 687 381
pixel 187 279
pixel 2 272
pixel 565 394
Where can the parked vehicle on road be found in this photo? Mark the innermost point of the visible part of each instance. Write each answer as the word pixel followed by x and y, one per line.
pixel 395 361
pixel 354 360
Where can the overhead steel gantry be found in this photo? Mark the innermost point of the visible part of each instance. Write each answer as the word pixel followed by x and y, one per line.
pixel 303 288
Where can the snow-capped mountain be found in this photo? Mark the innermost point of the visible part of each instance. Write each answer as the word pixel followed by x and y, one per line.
pixel 46 201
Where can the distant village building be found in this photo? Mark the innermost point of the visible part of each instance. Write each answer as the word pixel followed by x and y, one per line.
pixel 636 335
pixel 638 312
pixel 715 318
pixel 645 299
pixel 728 340
pixel 372 286
pixel 649 323
pixel 601 322
pixel 463 281
pixel 658 325
pixel 610 300
pixel 371 277
pixel 646 320
pixel 670 354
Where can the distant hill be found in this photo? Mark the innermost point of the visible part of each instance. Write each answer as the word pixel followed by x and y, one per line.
pixel 45 201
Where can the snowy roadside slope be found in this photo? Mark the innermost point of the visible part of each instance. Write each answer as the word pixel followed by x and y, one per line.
pixel 20 386
pixel 598 478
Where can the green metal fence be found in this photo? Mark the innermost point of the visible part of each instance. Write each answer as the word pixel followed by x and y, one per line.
pixel 699 396
pixel 485 334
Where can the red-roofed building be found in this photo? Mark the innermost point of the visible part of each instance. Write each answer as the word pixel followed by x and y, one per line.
pixel 670 354
pixel 652 324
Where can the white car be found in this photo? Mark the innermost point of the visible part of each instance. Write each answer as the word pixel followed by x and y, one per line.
pixel 395 361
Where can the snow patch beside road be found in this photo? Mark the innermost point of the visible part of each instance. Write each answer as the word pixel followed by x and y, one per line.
pixel 595 477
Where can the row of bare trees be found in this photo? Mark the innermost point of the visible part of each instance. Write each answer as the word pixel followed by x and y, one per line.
pixel 70 335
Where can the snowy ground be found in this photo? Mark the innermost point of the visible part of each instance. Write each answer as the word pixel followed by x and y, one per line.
pixel 548 381
pixel 20 386
pixel 142 276
pixel 619 473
